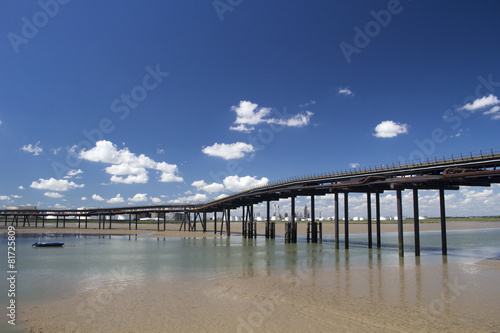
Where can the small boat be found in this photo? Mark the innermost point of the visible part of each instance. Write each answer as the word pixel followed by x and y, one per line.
pixel 55 244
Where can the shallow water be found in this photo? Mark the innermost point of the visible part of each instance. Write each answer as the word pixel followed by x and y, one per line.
pixel 90 261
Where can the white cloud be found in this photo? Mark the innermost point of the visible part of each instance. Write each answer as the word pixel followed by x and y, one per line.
pixel 53 184
pixel 311 102
pixel 238 184
pixel 1 123
pixel 231 183
pixel 54 195
pixel 4 197
pixel 345 92
pixel 210 188
pixel 15 196
pixel 56 151
pixel 248 114
pixel 190 199
pixel 127 167
pixel 35 150
pixel 353 165
pixel 229 151
pixel 21 187
pixel 117 199
pixel 481 103
pixel 222 196
pixel 139 197
pixel 298 120
pixel 73 173
pixel 97 197
pixel 493 110
pixel 390 129
pixel 156 200
pixel 84 199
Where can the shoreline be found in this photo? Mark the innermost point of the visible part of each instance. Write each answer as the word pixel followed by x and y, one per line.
pixel 172 230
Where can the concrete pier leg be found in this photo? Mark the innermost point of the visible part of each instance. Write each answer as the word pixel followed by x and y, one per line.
pixel 400 223
pixel 416 224
pixel 444 246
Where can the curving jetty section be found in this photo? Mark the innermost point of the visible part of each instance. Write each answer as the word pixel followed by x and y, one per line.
pixel 480 168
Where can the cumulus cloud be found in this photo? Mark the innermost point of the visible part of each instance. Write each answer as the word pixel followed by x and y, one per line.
pixel 190 199
pixel 297 120
pixel 353 165
pixel 53 184
pixel 4 197
pixel 97 197
pixel 84 199
pixel 35 150
pixel 390 129
pixel 481 103
pixel 73 173
pixel 54 195
pixel 117 199
pixel 229 151
pixel 156 200
pixel 139 197
pixel 201 185
pixel 238 184
pixel 126 167
pixel 345 92
pixel 21 187
pixel 311 102
pixel 249 114
pixel 231 183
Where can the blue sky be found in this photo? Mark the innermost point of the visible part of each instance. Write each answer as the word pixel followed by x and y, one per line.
pixel 117 103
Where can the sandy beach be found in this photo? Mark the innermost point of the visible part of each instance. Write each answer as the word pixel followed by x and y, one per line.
pixel 406 298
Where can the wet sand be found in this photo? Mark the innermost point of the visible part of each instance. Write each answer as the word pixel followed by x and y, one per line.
pixel 434 298
pixel 406 298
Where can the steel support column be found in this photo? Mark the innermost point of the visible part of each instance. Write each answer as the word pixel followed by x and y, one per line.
pixel 377 213
pixel 346 220
pixel 416 222
pixel 336 201
pixel 400 223
pixel 444 246
pixel 294 223
pixel 215 222
pixel 268 219
pixel 314 226
pixel 369 216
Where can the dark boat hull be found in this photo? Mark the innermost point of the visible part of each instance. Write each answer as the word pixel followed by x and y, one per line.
pixel 48 244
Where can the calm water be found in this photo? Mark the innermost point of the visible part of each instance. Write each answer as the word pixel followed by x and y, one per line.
pixel 90 261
